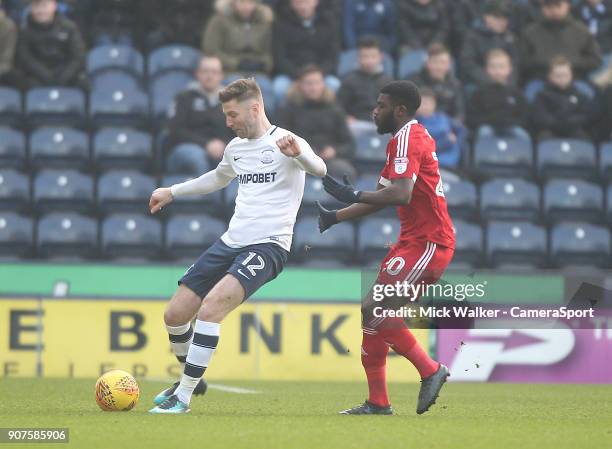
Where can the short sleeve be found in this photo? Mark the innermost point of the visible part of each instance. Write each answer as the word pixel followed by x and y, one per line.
pixel 404 157
pixel 225 165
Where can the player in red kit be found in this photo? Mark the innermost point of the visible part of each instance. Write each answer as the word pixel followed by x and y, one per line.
pixel 411 181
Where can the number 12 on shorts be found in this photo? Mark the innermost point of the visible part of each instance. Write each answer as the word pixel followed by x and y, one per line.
pixel 252 267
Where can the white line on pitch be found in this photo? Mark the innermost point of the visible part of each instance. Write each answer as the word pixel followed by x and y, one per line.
pixel 229 389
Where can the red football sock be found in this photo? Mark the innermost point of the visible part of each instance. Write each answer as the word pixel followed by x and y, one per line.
pixel 374 352
pixel 404 343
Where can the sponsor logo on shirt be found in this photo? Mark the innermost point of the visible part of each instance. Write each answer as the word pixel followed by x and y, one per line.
pixel 257 178
pixel 401 164
pixel 267 156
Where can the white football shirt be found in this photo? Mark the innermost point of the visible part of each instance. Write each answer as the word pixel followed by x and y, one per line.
pixel 270 190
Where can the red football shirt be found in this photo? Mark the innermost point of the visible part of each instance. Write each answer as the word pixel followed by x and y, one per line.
pixel 411 153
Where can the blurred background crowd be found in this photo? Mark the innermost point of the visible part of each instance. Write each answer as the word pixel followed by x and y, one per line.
pixel 102 100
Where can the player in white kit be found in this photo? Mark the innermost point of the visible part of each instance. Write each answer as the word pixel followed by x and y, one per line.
pixel 270 164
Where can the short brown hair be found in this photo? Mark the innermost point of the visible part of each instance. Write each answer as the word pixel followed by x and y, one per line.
pixel 559 61
pixel 497 52
pixel 309 69
pixel 240 90
pixel 436 49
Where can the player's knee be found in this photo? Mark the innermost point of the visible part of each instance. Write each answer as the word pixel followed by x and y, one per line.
pixel 213 308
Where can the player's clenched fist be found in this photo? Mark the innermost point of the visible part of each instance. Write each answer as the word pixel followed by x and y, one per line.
pixel 289 146
pixel 159 198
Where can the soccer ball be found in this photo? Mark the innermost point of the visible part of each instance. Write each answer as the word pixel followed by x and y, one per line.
pixel 117 390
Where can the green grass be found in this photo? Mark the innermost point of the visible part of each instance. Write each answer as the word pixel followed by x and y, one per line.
pixel 302 415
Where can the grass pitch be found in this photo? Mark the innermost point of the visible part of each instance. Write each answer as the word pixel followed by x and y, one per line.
pixel 302 415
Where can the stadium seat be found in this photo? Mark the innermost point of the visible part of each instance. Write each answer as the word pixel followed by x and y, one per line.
pixel 605 160
pixel 229 196
pixel 122 148
pixel 187 159
pixel 164 88
pixel 509 199
pixel 573 199
pixel 371 149
pixel 131 236
pixel 14 190
pixel 59 147
pixel 66 234
pixel 118 107
pixel 375 237
pixel 461 196
pixel 187 236
pixel 580 244
pixel 125 191
pixel 173 57
pixel 10 106
pixel 114 79
pixel 55 106
pixel 349 62
pixel 338 242
pixel 115 56
pixel 469 246
pixel 65 190
pixel 503 156
pixel 16 235
pixel 410 63
pixel 194 204
pixel 12 148
pixel 516 243
pixel 533 88
pixel 566 158
pixel 313 192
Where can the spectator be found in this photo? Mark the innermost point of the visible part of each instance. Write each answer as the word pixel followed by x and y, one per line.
pixel 370 18
pixel 50 51
pixel 176 21
pixel 8 41
pixel 360 88
pixel 312 113
pixel 116 21
pixel 560 109
pixel 437 76
pixel 240 35
pixel 305 35
pixel 196 117
pixel 604 125
pixel 597 16
pixel 492 33
pixel 557 33
pixel 422 23
pixel 447 134
pixel 497 107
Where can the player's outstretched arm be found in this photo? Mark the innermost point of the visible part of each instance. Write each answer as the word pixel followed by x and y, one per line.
pixel 398 193
pixel 303 155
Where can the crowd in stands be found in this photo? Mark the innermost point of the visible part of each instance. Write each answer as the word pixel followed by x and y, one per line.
pixel 519 69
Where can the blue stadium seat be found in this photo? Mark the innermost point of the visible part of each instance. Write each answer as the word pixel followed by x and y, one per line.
pixel 122 148
pixel 337 242
pixel 375 237
pixel 59 147
pixel 566 158
pixel 65 190
pixel 10 106
pixel 115 56
pixel 187 236
pixel 461 196
pixel 118 107
pixel 516 243
pixel 469 246
pixel 55 105
pixel 580 244
pixel 313 192
pixel 125 191
pixel 573 199
pixel 14 190
pixel 114 79
pixel 510 199
pixel 349 62
pixel 503 156
pixel 12 148
pixel 16 235
pixel 229 196
pixel 371 149
pixel 66 234
pixel 533 88
pixel 173 57
pixel 605 160
pixel 194 204
pixel 131 236
pixel 164 88
pixel 410 63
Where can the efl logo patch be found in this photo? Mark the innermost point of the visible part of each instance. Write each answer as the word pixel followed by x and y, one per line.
pixel 401 164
